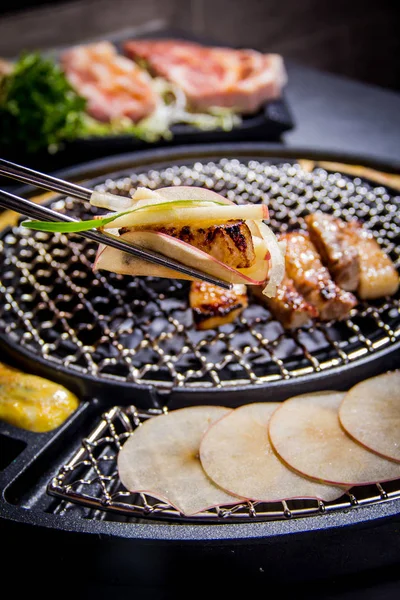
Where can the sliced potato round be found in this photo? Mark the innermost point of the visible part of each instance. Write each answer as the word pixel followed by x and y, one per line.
pixel 161 458
pixel 305 431
pixel 370 413
pixel 237 455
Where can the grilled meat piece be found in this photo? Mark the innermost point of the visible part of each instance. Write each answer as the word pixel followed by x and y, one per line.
pixel 231 243
pixel 312 279
pixel 213 306
pixel 240 79
pixel 335 244
pixel 113 85
pixel 378 275
pixel 288 306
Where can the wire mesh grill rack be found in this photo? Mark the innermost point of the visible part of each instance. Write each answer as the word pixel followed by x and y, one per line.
pixel 140 330
pixel 90 479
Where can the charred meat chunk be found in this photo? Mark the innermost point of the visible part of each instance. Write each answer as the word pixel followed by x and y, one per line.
pixel 335 244
pixel 230 243
pixel 312 279
pixel 378 275
pixel 288 306
pixel 213 306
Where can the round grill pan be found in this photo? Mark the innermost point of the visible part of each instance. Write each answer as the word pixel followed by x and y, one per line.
pixel 89 343
pixel 108 330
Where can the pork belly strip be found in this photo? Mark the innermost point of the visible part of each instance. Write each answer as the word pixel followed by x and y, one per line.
pixel 212 306
pixel 378 275
pixel 241 79
pixel 288 306
pixel 231 243
pixel 334 241
pixel 312 279
pixel 114 86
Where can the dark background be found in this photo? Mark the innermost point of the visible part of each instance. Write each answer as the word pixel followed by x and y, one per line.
pixel 355 38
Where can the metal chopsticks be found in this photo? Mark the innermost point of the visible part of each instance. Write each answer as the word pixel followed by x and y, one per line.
pixel 42 180
pixel 42 213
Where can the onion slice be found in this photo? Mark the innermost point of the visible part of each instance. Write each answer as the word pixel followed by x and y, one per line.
pixel 237 455
pixel 277 260
pixel 370 413
pixel 306 433
pixel 161 458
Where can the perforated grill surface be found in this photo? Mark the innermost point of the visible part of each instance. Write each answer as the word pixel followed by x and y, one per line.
pixel 140 330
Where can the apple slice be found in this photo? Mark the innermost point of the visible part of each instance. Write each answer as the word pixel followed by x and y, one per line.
pixel 161 458
pixel 237 455
pixel 144 196
pixel 111 201
pixel 212 213
pixel 306 433
pixel 370 413
pixel 116 261
pixel 188 192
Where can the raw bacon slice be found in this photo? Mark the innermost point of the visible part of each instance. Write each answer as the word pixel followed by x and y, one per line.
pixel 224 77
pixel 113 85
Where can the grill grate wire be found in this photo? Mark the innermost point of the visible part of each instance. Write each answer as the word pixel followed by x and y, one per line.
pixel 90 479
pixel 140 330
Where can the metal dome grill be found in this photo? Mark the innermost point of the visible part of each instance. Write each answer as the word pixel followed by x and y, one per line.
pixel 139 330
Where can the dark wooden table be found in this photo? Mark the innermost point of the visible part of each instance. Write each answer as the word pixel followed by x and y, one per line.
pixel 339 114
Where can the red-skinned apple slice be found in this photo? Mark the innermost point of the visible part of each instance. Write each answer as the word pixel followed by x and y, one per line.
pixel 154 215
pixel 370 413
pixel 237 455
pixel 144 196
pixel 187 192
pixel 161 458
pixel 305 431
pixel 116 261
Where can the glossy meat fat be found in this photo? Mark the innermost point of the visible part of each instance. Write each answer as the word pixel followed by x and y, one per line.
pixel 337 248
pixel 378 275
pixel 213 306
pixel 230 243
pixel 288 306
pixel 312 279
